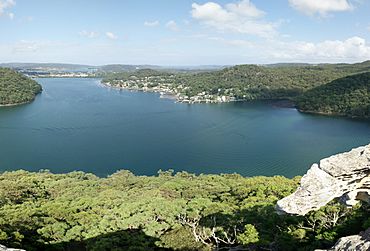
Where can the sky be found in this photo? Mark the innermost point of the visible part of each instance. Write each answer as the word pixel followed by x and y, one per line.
pixel 184 32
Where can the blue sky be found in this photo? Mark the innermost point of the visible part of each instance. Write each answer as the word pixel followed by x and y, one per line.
pixel 184 32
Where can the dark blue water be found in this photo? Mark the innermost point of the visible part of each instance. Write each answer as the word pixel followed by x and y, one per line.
pixel 78 124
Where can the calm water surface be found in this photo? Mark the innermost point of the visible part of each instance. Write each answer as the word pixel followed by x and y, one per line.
pixel 77 124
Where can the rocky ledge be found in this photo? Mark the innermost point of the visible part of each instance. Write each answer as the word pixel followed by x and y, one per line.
pixel 3 248
pixel 345 176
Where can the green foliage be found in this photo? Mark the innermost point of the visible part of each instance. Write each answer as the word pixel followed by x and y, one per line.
pixel 325 88
pixel 247 82
pixel 250 235
pixel 139 74
pixel 250 82
pixel 345 96
pixel 15 88
pixel 171 211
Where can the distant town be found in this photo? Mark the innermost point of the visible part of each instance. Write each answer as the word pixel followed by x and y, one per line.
pixel 164 85
pixel 55 70
pixel 42 72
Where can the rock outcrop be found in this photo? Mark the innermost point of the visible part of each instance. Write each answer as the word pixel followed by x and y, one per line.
pixel 360 242
pixel 345 176
pixel 3 248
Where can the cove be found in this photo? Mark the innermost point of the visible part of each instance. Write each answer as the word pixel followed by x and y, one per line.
pixel 79 124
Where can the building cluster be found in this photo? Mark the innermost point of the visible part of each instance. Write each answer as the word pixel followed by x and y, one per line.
pixel 167 88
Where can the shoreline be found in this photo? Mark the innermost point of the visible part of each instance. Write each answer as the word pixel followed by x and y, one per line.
pixel 16 104
pixel 279 103
pixel 339 115
pixel 22 103
pixel 179 98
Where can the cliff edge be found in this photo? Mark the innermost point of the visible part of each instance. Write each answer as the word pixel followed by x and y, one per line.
pixel 345 176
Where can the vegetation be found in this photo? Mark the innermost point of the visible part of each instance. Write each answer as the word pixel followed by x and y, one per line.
pixel 298 82
pixel 344 96
pixel 140 74
pixel 182 211
pixel 246 82
pixel 16 88
pixel 250 82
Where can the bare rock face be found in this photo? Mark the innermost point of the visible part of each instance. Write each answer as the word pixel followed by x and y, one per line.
pixel 3 248
pixel 359 242
pixel 345 176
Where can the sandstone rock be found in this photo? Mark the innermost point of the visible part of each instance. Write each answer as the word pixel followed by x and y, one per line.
pixel 359 242
pixel 3 248
pixel 345 176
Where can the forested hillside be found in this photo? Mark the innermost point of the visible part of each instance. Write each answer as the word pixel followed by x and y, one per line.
pixel 345 96
pixel 253 82
pixel 246 82
pixel 182 211
pixel 266 82
pixel 16 88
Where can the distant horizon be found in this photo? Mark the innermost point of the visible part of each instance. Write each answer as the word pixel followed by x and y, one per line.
pixel 200 65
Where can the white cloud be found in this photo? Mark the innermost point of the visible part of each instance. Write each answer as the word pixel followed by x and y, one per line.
pixel 245 8
pixel 151 23
pixel 27 46
pixel 111 35
pixel 172 25
pixel 4 5
pixel 353 49
pixel 32 47
pixel 50 51
pixel 321 7
pixel 89 34
pixel 233 42
pixel 239 42
pixel 243 17
pixel 350 50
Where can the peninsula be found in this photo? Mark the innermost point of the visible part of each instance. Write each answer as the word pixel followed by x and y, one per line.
pixel 16 88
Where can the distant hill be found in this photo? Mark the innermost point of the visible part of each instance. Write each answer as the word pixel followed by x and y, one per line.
pixel 15 88
pixel 301 83
pixel 362 66
pixel 355 68
pixel 289 65
pixel 251 82
pixel 358 67
pixel 111 68
pixel 345 96
pixel 55 66
pixel 126 68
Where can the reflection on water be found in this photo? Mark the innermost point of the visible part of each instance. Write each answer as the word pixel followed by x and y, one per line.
pixel 77 124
